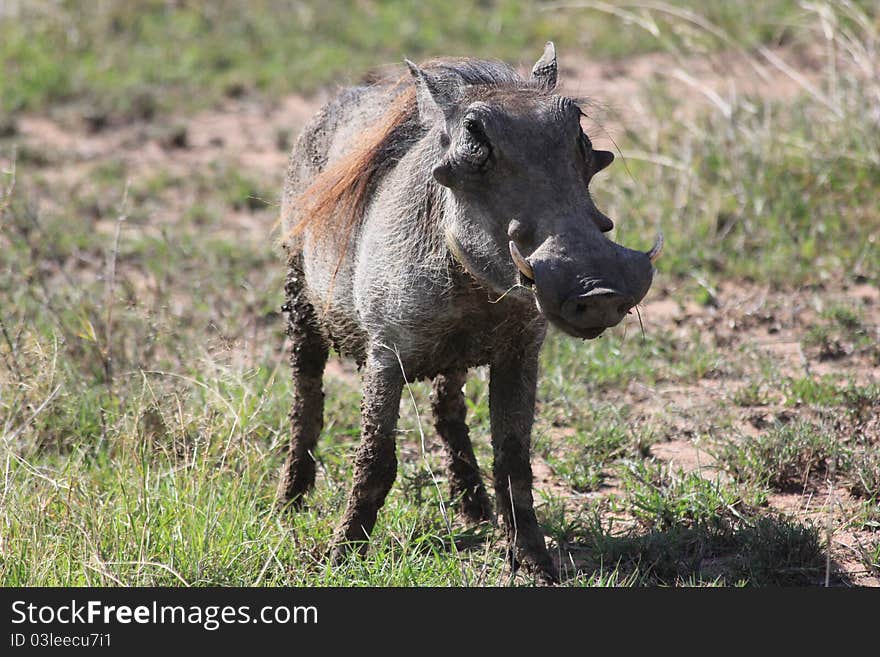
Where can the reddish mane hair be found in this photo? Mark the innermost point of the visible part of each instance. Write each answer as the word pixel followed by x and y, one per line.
pixel 336 200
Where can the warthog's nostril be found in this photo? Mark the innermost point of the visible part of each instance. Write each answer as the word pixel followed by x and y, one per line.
pixel 596 311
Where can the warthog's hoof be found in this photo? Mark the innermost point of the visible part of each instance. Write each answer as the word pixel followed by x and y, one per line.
pixel 534 560
pixel 476 506
pixel 297 478
pixel 288 499
pixel 283 504
pixel 543 570
pixel 342 549
pixel 338 554
pixel 352 535
pixel 547 577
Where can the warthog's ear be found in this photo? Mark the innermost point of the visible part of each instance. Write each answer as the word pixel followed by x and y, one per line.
pixel 435 95
pixel 602 159
pixel 545 69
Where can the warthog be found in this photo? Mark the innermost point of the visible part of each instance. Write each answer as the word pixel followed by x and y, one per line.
pixel 434 223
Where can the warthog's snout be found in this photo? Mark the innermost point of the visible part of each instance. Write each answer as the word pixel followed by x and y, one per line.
pixel 605 291
pixel 597 308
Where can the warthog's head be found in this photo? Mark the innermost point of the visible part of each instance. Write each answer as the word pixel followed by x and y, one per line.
pixel 517 166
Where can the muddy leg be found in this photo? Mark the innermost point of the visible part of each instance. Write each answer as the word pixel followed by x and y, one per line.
pixel 512 408
pixel 308 356
pixel 450 410
pixel 375 465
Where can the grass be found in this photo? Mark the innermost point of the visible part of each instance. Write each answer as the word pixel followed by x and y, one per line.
pixel 143 384
pixel 859 400
pixel 769 229
pixel 723 542
pixel 841 330
pixel 580 459
pixel 838 442
pixel 786 458
pixel 117 58
pixel 660 499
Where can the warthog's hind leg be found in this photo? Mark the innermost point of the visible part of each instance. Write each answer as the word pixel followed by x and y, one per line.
pixel 308 356
pixel 375 466
pixel 450 410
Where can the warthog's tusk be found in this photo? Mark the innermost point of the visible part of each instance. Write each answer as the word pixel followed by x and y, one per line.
pixel 657 249
pixel 521 263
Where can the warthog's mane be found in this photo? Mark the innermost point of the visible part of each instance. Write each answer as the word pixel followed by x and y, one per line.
pixel 335 202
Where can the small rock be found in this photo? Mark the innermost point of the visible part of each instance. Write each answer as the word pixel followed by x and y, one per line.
pixel 96 120
pixel 8 127
pixel 175 137
pixel 235 90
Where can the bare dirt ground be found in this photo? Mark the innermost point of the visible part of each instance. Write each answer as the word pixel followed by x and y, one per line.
pixel 772 327
pixel 255 138
pixel 247 134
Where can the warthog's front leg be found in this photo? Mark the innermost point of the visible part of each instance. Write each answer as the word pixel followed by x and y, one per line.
pixel 308 356
pixel 375 465
pixel 450 410
pixel 513 378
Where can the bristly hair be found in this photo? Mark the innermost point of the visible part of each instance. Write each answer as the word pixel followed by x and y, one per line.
pixel 338 196
pixel 336 200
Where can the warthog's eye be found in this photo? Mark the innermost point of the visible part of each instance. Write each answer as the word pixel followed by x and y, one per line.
pixel 473 126
pixel 475 146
